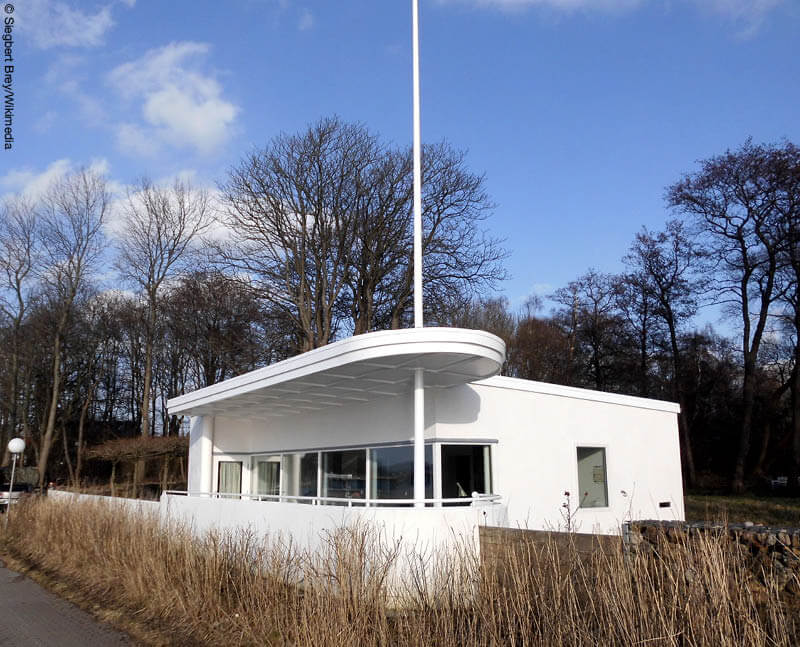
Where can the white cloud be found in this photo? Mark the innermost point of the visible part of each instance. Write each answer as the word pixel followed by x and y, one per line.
pixel 52 23
pixel 136 141
pixel 745 9
pixel 306 21
pixel 67 75
pixel 180 105
pixel 44 123
pixel 750 12
pixel 566 5
pixel 119 206
pixel 33 184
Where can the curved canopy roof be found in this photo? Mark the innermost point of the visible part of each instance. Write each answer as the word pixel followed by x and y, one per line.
pixel 357 369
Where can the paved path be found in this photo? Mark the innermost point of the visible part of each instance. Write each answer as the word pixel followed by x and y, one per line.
pixel 33 617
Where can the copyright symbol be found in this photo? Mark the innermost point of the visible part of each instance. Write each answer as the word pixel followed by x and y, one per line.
pixel 9 8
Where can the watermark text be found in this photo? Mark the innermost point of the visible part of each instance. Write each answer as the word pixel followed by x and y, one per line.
pixel 8 76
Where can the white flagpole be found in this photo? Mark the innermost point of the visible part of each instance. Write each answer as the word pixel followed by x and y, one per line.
pixel 419 376
pixel 417 175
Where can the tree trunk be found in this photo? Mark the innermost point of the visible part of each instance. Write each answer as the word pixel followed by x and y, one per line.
pixel 684 426
pixel 47 440
pixel 81 427
pixel 690 473
pixel 67 458
pixel 796 415
pixel 165 474
pixel 113 478
pixel 748 400
pixel 758 468
pixel 148 372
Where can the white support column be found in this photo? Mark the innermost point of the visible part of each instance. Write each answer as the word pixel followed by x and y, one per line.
pixel 201 453
pixel 419 436
pixel 437 472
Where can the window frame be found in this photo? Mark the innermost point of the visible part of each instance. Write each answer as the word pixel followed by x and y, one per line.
pixel 220 463
pixel 579 490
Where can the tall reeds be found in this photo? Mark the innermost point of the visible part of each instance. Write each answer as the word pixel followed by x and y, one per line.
pixel 169 587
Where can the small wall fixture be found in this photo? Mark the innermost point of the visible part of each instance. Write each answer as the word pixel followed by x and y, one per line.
pixel 664 504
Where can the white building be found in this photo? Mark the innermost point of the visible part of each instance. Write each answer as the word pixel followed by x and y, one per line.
pixel 281 446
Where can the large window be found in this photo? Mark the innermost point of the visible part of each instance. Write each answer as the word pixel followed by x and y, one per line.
pixel 300 474
pixel 392 472
pixel 592 480
pixel 229 477
pixel 267 475
pixel 380 473
pixel 466 469
pixel 344 474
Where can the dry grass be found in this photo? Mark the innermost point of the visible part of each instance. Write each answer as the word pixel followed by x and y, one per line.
pixel 771 511
pixel 168 588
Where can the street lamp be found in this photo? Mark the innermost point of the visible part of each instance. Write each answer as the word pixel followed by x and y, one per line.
pixel 16 446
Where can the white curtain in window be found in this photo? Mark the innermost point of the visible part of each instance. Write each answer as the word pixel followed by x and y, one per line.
pixel 269 475
pixel 230 477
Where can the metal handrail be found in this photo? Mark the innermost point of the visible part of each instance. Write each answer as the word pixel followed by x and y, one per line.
pixel 489 499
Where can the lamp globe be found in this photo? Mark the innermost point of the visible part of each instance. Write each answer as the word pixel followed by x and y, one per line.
pixel 16 445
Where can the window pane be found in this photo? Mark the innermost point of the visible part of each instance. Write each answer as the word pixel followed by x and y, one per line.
pixel 344 474
pixel 229 479
pixel 592 477
pixel 308 474
pixel 392 472
pixel 465 469
pixel 268 475
pixel 300 474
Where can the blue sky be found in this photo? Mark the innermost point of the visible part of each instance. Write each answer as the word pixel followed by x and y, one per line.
pixel 579 112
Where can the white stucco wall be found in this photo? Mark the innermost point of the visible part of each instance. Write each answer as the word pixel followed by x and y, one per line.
pixel 385 420
pixel 423 531
pixel 424 535
pixel 534 430
pixel 539 428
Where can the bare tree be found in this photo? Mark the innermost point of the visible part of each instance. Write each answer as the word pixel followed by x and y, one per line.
pixel 732 199
pixel 638 307
pixel 786 175
pixel 18 260
pixel 540 350
pixel 321 225
pixel 589 314
pixel 290 211
pixel 72 214
pixel 160 226
pixel 666 264
pixel 461 261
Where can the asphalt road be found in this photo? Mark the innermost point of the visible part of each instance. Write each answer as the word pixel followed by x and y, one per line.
pixel 33 617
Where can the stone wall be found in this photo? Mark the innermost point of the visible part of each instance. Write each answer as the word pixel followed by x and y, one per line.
pixel 773 550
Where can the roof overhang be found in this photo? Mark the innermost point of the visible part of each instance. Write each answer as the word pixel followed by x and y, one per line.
pixel 354 370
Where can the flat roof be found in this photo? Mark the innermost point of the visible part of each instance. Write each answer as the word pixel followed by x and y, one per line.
pixel 575 393
pixel 353 370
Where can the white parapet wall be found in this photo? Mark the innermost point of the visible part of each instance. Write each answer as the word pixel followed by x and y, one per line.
pixel 420 530
pixel 419 533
